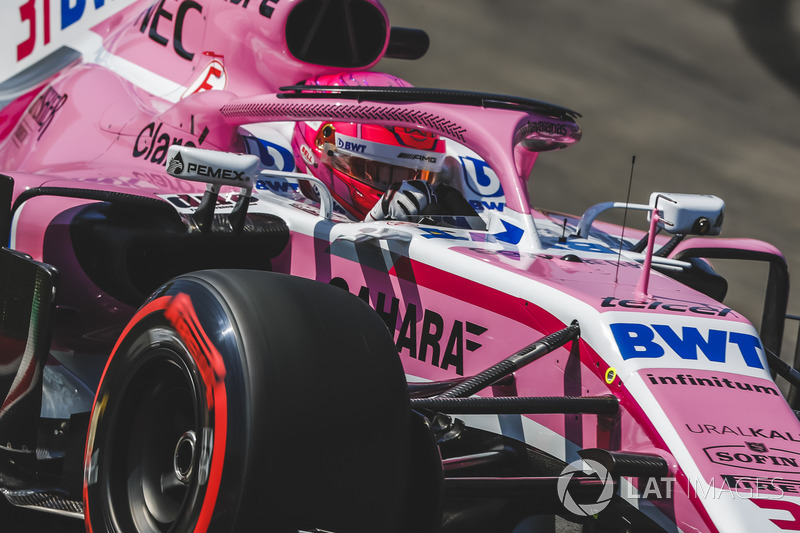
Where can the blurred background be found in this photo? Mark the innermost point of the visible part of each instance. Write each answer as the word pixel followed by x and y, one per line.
pixel 705 94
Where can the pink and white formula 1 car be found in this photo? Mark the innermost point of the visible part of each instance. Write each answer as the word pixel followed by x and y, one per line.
pixel 195 336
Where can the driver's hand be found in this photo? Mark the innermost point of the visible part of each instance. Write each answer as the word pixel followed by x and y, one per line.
pixel 403 201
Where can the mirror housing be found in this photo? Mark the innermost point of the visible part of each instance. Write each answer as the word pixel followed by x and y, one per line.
pixel 690 214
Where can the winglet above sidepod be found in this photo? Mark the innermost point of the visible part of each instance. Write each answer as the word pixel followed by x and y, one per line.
pixel 216 169
pixel 211 166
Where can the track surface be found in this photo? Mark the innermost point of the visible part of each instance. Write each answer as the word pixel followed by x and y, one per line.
pixel 705 93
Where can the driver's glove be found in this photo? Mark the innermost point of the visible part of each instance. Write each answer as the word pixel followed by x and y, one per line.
pixel 403 201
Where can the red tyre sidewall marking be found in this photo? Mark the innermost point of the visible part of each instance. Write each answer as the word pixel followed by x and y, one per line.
pixel 211 365
pixel 156 305
pixel 181 314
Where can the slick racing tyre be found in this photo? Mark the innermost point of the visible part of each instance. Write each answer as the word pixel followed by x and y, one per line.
pixel 243 400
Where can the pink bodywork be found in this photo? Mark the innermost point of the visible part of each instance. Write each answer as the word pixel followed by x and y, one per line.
pixel 459 300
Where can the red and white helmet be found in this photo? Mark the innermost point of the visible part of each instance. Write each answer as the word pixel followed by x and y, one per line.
pixel 358 162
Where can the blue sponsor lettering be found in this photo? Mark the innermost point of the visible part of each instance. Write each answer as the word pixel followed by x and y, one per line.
pixel 494 206
pixel 692 340
pixel 749 346
pixel 70 14
pixel 273 156
pixel 351 146
pixel 643 341
pixel 480 205
pixel 636 340
pixel 481 179
pixel 276 186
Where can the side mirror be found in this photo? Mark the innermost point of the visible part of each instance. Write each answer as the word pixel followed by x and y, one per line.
pixel 407 43
pixel 691 214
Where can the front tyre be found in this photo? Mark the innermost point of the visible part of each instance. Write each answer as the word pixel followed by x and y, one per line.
pixel 241 399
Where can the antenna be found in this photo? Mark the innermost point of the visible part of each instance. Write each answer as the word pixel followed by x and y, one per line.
pixel 625 218
pixel 644 280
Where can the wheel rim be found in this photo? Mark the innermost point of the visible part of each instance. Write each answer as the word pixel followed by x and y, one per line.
pixel 152 450
pixel 183 459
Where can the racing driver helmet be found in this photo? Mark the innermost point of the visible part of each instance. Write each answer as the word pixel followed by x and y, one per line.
pixel 359 162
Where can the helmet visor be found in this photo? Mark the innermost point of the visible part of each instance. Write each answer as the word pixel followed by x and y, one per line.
pixel 377 174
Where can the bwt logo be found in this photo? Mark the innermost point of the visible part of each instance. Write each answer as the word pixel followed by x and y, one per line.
pixel 351 146
pixel 643 341
pixel 481 179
